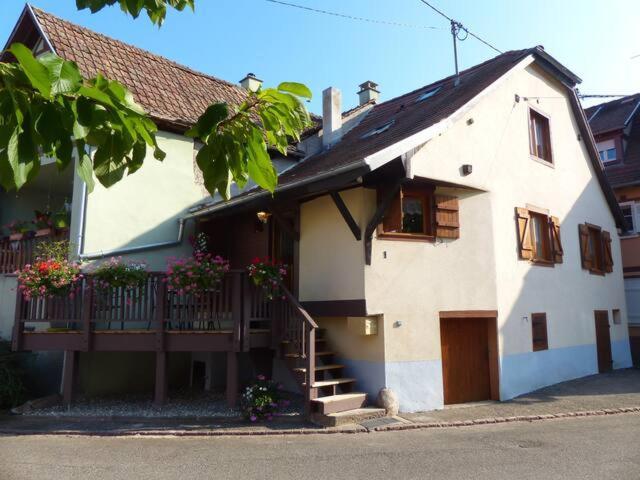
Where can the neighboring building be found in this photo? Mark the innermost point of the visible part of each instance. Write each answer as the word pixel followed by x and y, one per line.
pixel 616 128
pixel 456 243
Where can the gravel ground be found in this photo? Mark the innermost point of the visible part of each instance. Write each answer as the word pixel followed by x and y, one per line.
pixel 180 404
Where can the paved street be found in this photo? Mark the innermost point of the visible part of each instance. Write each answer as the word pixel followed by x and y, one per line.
pixel 586 448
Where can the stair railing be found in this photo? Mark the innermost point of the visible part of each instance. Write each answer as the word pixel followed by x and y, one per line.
pixel 292 324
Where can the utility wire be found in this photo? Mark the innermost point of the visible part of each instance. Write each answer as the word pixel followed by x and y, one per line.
pixel 459 25
pixel 351 17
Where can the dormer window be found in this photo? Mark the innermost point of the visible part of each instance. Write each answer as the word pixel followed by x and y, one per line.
pixel 378 130
pixel 607 151
pixel 428 94
pixel 539 136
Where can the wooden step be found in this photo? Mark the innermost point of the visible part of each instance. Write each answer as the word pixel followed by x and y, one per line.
pixel 319 368
pixel 318 354
pixel 332 382
pixel 339 403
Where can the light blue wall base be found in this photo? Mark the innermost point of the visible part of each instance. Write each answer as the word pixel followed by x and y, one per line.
pixel 525 372
pixel 621 353
pixel 369 375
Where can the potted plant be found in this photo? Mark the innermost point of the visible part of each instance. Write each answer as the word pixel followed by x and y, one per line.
pixel 197 274
pixel 267 274
pixel 19 229
pixel 262 400
pixel 49 278
pixel 116 273
pixel 43 224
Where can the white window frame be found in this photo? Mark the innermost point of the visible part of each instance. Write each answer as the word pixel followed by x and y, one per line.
pixel 635 216
pixel 605 146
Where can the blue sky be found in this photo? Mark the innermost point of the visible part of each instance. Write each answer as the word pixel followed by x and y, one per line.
pixel 228 38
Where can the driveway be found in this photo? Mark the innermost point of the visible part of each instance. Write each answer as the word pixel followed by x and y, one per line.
pixel 587 448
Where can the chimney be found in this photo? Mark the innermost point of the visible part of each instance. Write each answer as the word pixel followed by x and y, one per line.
pixel 331 116
pixel 368 92
pixel 251 82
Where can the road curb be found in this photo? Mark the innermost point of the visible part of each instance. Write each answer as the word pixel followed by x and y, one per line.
pixel 322 431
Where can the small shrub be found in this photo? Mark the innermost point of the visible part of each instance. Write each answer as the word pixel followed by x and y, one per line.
pixel 262 400
pixel 12 389
pixel 53 250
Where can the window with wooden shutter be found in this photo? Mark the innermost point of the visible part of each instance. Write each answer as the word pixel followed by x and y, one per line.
pixel 595 249
pixel 392 219
pixel 447 217
pixel 538 237
pixel 539 337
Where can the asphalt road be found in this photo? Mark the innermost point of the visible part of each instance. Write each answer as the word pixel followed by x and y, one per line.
pixel 586 448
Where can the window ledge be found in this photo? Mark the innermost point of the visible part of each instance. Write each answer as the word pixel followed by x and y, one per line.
pixel 410 237
pixel 542 161
pixel 543 263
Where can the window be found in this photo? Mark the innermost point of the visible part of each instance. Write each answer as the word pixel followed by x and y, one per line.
pixel 538 237
pixel 628 210
pixel 539 332
pixel 378 130
pixel 539 136
pixel 428 94
pixel 595 249
pixel 417 212
pixel 617 319
pixel 607 151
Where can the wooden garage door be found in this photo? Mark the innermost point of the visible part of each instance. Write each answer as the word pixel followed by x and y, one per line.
pixel 465 359
pixel 603 341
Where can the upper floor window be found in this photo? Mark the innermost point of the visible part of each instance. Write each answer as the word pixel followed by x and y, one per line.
pixel 539 136
pixel 595 249
pixel 607 151
pixel 415 211
pixel 629 212
pixel 538 236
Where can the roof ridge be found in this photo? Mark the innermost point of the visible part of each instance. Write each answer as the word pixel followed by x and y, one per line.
pixel 152 56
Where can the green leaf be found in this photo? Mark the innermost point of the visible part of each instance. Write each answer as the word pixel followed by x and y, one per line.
pixel 297 89
pixel 209 121
pixel 37 73
pixel 64 76
pixel 85 166
pixel 260 167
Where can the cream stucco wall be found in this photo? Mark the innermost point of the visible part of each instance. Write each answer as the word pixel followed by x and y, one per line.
pixel 143 208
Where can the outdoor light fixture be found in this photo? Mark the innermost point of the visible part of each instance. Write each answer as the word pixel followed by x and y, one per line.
pixel 263 216
pixel 467 169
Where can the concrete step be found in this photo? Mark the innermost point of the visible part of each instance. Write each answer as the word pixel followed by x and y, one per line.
pixel 338 403
pixel 333 381
pixel 319 368
pixel 347 417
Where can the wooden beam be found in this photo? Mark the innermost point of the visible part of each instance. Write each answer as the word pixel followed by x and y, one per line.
pixel 162 382
pixel 69 376
pixel 232 379
pixel 346 214
pixel 377 218
pixel 469 314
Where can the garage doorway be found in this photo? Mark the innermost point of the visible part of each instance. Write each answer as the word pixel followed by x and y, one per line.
pixel 469 344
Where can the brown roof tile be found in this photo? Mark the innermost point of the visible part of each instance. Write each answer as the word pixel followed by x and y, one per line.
pixel 167 90
pixel 612 115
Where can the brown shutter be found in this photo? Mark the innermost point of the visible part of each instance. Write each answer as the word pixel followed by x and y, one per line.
pixel 392 218
pixel 556 243
pixel 606 248
pixel 447 217
pixel 523 224
pixel 587 261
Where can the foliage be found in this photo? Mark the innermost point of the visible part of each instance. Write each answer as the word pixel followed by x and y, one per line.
pixel 47 108
pixel 49 278
pixel 12 389
pixel 18 226
pixel 116 273
pixel 236 138
pixel 268 274
pixel 195 274
pixel 156 9
pixel 53 250
pixel 262 400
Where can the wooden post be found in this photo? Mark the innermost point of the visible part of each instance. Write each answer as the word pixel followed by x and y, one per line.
pixel 236 309
pixel 161 301
pixel 276 338
pixel 87 303
pixel 310 392
pixel 160 396
pixel 247 295
pixel 232 378
pixel 69 376
pixel 18 325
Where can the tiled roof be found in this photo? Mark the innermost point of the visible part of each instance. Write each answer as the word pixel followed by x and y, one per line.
pixel 612 115
pixel 627 172
pixel 167 90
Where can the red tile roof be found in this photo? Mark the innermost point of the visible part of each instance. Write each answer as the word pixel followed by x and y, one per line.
pixel 612 115
pixel 168 91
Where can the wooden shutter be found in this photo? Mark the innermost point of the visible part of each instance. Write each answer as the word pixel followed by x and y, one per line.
pixel 606 250
pixel 587 261
pixel 539 331
pixel 556 243
pixel 447 216
pixel 392 218
pixel 523 224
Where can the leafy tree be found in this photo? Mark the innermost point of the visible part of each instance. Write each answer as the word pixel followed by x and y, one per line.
pixel 47 108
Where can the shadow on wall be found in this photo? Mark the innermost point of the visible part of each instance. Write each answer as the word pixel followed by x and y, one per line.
pixel 569 295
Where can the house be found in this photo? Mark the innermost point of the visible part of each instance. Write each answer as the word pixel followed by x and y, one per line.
pixel 456 243
pixel 616 129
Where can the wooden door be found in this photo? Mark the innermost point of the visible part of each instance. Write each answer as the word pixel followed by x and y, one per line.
pixel 465 359
pixel 603 341
pixel 283 250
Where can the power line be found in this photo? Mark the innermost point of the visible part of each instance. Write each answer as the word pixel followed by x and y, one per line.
pixel 457 26
pixel 635 56
pixel 351 17
pixel 601 96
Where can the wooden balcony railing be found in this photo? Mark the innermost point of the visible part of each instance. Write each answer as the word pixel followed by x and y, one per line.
pixel 15 254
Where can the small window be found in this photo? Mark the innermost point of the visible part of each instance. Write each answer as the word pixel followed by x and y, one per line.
pixel 539 332
pixel 428 94
pixel 539 136
pixel 410 212
pixel 617 319
pixel 607 151
pixel 628 210
pixel 378 130
pixel 538 237
pixel 595 249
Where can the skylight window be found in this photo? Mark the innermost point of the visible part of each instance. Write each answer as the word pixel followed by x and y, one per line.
pixel 378 130
pixel 428 94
